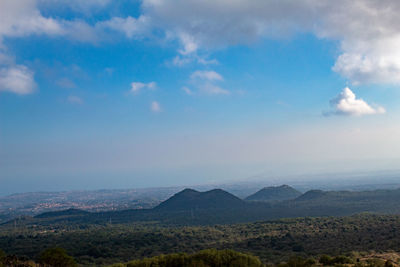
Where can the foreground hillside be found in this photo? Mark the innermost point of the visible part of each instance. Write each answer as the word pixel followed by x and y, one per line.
pixel 58 257
pixel 205 258
pixel 230 258
pixel 272 242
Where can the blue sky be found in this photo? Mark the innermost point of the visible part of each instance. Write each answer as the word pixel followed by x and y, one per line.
pixel 114 94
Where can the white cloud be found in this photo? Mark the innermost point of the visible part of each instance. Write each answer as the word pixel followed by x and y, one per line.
pixel 155 107
pixel 205 82
pixel 181 61
pixel 19 19
pixel 6 59
pixel 22 18
pixel 129 26
pixel 75 100
pixel 212 89
pixel 136 87
pixel 206 75
pixel 368 31
pixel 79 30
pixel 213 24
pixel 17 79
pixel 370 61
pixel 346 103
pixel 188 42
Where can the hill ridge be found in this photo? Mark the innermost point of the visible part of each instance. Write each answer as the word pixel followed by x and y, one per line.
pixel 274 193
pixel 188 199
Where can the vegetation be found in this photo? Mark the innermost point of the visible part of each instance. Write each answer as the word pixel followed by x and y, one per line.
pixel 273 242
pixel 56 257
pixel 205 258
pixel 2 258
pixel 187 223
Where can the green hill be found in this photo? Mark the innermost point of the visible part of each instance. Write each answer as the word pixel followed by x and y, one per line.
pixel 189 199
pixel 274 193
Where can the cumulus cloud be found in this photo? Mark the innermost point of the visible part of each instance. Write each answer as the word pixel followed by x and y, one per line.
pixel 17 79
pixel 155 107
pixel 22 18
pixel 75 100
pixel 346 103
pixel 136 87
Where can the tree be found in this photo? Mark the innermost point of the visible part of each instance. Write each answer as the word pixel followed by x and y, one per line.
pixel 56 257
pixel 2 258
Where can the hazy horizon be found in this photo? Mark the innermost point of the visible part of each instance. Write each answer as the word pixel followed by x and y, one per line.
pixel 357 180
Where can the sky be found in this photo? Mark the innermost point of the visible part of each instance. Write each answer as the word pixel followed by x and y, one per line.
pixel 147 93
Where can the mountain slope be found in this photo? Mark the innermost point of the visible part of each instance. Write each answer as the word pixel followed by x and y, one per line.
pixel 191 199
pixel 275 193
pixel 68 212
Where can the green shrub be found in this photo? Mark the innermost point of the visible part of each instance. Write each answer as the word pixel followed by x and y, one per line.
pixel 298 262
pixel 56 257
pixel 325 260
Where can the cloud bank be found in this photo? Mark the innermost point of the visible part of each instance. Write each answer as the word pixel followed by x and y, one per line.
pixel 367 31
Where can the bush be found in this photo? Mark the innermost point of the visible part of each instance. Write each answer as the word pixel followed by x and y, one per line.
pixel 327 261
pixel 2 258
pixel 298 262
pixel 56 257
